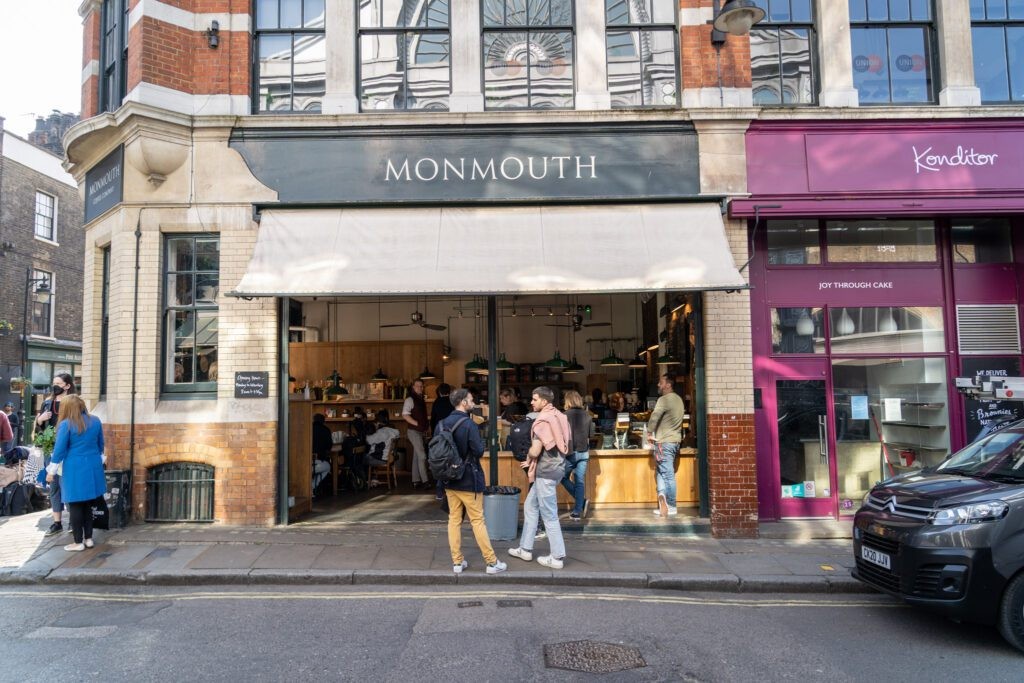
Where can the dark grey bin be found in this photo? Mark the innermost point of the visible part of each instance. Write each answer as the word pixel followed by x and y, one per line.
pixel 501 514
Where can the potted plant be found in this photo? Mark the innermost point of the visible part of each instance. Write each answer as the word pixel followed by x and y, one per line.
pixel 44 441
pixel 5 327
pixel 18 384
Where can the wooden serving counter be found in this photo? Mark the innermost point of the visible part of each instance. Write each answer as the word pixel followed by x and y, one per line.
pixel 615 478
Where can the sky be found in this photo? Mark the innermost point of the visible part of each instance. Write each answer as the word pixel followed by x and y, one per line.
pixel 40 60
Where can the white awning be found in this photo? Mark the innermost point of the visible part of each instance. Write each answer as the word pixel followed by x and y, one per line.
pixel 490 250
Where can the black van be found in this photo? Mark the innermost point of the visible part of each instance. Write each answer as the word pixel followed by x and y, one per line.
pixel 951 538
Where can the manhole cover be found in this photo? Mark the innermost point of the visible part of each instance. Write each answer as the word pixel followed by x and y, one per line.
pixel 592 657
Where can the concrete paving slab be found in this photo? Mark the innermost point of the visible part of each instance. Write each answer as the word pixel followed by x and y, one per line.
pixel 289 556
pixel 748 564
pixel 806 565
pixel 113 558
pixel 343 557
pixel 228 556
pixel 636 562
pixel 406 557
pixel 694 563
pixel 169 558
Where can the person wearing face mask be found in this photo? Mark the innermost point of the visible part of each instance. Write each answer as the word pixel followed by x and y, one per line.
pixel 63 385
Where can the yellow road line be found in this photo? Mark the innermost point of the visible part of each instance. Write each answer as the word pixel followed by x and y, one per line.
pixel 448 595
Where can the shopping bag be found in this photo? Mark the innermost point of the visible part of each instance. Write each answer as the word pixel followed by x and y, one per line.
pixel 100 514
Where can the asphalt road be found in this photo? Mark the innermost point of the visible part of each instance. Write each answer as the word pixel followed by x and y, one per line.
pixel 400 633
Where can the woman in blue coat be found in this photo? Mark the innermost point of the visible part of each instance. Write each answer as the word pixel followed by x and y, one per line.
pixel 79 449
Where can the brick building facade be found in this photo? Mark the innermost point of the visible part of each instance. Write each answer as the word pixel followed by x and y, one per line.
pixel 40 231
pixel 174 93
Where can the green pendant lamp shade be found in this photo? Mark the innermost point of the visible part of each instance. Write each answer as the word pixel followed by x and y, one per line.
pixel 667 359
pixel 379 376
pixel 503 364
pixel 638 362
pixel 557 362
pixel 476 365
pixel 574 368
pixel 427 374
pixel 612 360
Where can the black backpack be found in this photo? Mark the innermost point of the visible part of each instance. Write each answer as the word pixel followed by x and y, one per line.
pixel 15 499
pixel 520 438
pixel 443 457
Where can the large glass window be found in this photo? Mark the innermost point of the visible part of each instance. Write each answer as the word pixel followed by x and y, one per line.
pixel 880 241
pixel 46 216
pixel 798 330
pixel 291 60
pixel 892 50
pixel 404 54
pixel 113 54
pixel 887 329
pixel 982 240
pixel 793 243
pixel 192 283
pixel 41 299
pixel 641 43
pixel 782 65
pixel 997 33
pixel 528 54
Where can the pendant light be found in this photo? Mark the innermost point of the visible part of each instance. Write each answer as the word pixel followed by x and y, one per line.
pixel 666 358
pixel 503 364
pixel 845 326
pixel 426 374
pixel 574 367
pixel 379 376
pixel 805 326
pixel 478 365
pixel 612 360
pixel 888 323
pixel 556 362
pixel 638 361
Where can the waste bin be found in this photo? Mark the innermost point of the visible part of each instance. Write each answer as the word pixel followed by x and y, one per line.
pixel 117 497
pixel 501 512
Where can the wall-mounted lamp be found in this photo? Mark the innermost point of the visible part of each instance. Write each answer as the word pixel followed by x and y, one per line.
pixel 735 18
pixel 6 247
pixel 213 34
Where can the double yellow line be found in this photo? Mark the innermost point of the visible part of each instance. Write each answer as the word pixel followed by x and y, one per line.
pixel 254 595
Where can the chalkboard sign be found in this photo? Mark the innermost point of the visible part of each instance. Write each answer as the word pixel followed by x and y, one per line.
pixel 252 384
pixel 977 414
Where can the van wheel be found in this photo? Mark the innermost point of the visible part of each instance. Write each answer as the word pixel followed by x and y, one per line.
pixel 1011 615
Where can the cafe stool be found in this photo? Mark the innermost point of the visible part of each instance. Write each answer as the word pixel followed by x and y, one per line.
pixel 389 469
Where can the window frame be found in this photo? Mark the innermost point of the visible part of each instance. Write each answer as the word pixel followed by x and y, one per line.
pixel 104 318
pixel 190 390
pixel 812 43
pixel 37 273
pixel 938 228
pixel 653 27
pixel 257 33
pixel 404 31
pixel 930 27
pixel 1003 24
pixel 118 68
pixel 528 28
pixel 52 239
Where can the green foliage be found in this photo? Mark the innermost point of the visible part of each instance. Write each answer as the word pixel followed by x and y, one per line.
pixel 45 440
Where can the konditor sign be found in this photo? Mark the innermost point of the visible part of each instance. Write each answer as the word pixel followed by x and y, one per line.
pixel 475 164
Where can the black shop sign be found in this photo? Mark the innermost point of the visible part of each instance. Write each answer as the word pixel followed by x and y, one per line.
pixel 980 413
pixel 252 384
pixel 104 185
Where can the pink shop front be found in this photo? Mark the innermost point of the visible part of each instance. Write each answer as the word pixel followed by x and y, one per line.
pixel 888 260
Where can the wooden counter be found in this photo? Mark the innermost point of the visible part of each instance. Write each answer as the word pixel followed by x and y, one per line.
pixel 615 478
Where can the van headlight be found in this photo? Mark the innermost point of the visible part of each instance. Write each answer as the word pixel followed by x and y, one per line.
pixel 988 511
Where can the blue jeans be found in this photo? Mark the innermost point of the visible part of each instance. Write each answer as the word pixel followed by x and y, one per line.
pixel 542 501
pixel 665 475
pixel 576 465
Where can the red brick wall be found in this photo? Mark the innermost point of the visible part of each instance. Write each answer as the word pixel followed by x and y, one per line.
pixel 699 68
pixel 244 457
pixel 732 474
pixel 90 51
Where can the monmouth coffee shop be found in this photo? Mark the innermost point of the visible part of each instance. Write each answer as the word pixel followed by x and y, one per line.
pixel 888 260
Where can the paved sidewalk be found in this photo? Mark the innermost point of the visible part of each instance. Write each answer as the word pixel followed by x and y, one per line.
pixel 416 553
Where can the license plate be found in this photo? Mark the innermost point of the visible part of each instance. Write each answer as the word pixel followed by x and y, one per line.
pixel 875 557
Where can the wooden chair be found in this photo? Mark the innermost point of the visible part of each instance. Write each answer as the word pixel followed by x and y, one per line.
pixel 390 473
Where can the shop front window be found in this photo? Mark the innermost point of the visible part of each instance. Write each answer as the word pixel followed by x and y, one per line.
pixel 997 35
pixel 41 324
pixel 891 416
pixel 887 329
pixel 528 52
pixel 982 240
pixel 291 58
pixel 192 283
pixel 793 243
pixel 892 52
pixel 798 330
pixel 782 53
pixel 880 241
pixel 641 43
pixel 113 53
pixel 404 55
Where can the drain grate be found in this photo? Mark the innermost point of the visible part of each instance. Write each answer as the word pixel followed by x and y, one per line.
pixel 515 603
pixel 470 603
pixel 592 657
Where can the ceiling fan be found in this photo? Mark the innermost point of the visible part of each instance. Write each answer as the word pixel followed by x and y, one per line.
pixel 577 323
pixel 417 319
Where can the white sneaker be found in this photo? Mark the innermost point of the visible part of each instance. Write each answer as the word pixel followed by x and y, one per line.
pixel 74 547
pixel 521 553
pixel 496 568
pixel 541 534
pixel 551 562
pixel 458 569
pixel 670 511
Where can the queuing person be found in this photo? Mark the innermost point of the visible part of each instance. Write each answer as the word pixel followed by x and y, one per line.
pixel 575 479
pixel 6 433
pixel 15 423
pixel 63 386
pixel 442 407
pixel 512 408
pixel 381 444
pixel 664 432
pixel 78 451
pixel 545 464
pixel 414 412
pixel 466 493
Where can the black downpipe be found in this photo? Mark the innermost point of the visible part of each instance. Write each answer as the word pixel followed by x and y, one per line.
pixel 284 304
pixel 492 386
pixel 135 357
pixel 700 408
